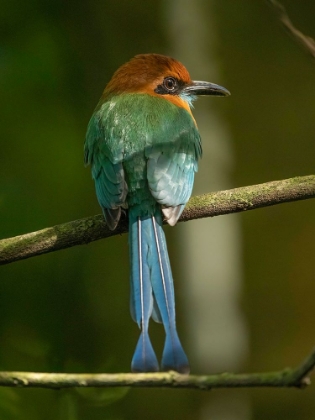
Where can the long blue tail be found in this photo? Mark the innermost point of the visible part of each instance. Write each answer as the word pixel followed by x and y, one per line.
pixel 152 293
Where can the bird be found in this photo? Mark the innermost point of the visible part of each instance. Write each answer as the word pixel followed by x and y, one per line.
pixel 143 145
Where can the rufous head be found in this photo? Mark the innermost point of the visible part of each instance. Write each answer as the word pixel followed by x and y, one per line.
pixel 159 75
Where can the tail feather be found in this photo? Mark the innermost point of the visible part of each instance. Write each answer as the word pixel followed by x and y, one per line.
pixel 174 357
pixel 156 314
pixel 144 358
pixel 152 294
pixel 141 302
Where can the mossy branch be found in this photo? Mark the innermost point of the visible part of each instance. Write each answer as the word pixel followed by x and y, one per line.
pixel 90 229
pixel 297 378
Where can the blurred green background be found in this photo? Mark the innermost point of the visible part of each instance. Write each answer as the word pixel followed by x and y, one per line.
pixel 69 311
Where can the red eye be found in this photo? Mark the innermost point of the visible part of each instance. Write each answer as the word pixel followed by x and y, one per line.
pixel 170 84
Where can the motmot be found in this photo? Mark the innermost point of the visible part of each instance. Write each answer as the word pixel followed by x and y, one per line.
pixel 143 146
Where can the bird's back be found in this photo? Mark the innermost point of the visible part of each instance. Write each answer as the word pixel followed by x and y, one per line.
pixel 155 141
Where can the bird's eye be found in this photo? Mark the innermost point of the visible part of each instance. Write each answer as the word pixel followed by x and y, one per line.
pixel 170 84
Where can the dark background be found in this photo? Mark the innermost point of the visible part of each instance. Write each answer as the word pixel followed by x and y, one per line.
pixel 69 311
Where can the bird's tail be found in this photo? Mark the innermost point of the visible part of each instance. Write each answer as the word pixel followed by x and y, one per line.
pixel 152 293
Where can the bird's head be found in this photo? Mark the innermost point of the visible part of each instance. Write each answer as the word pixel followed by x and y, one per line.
pixel 162 76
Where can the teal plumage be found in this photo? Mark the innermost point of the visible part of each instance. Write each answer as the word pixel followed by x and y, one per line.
pixel 143 146
pixel 155 156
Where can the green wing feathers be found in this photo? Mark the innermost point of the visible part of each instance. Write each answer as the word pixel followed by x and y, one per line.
pixel 107 171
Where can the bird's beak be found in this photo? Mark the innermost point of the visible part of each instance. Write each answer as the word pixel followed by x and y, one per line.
pixel 205 88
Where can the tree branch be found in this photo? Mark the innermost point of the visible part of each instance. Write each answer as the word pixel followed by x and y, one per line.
pixel 297 378
pixel 90 229
pixel 307 42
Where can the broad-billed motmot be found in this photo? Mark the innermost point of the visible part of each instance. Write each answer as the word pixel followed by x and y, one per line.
pixel 143 146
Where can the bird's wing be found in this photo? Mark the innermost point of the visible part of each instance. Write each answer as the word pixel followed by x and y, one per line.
pixel 107 169
pixel 172 163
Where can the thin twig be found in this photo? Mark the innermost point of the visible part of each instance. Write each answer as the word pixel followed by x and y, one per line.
pixel 306 41
pixel 297 378
pixel 84 231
